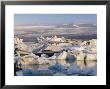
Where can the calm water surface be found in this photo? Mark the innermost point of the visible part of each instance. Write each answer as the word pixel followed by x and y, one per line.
pixel 78 68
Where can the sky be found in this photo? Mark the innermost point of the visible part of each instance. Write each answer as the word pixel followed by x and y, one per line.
pixel 51 19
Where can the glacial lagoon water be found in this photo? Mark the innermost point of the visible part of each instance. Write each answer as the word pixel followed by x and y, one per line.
pixel 78 68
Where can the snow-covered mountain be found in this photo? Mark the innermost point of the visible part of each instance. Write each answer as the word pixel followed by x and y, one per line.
pixel 78 28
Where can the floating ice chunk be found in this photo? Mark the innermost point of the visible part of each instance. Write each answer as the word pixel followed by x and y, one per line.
pixel 80 56
pixel 43 60
pixel 56 39
pixel 52 58
pixel 44 55
pixel 70 58
pixel 91 57
pixel 17 58
pixel 62 57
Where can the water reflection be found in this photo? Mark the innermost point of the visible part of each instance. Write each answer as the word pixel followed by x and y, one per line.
pixel 78 68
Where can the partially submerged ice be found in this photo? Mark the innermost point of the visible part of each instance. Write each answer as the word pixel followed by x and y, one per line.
pixel 61 56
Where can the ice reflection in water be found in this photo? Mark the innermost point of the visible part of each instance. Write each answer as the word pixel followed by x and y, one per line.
pixel 78 68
